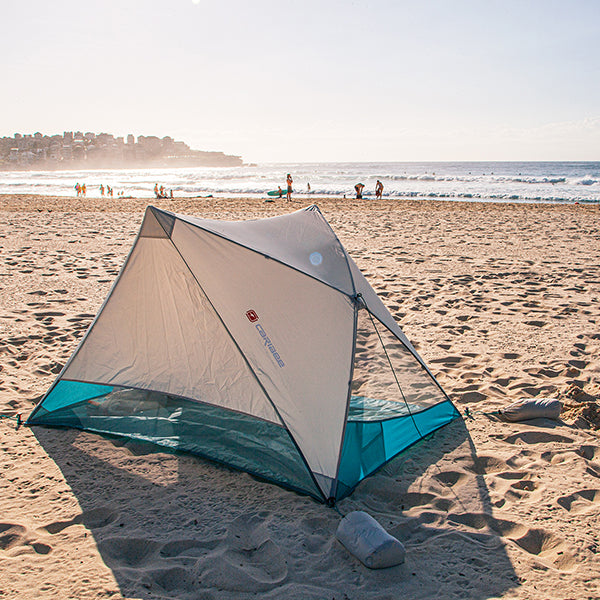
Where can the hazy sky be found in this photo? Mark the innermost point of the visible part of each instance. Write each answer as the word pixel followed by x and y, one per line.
pixel 311 80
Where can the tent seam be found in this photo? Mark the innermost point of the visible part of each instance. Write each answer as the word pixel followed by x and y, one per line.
pixel 353 298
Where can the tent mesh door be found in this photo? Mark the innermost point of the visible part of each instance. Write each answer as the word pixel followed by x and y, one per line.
pixel 394 402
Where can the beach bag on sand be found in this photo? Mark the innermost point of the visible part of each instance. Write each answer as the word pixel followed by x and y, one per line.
pixel 368 541
pixel 532 408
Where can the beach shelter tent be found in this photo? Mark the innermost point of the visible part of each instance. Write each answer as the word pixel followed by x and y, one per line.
pixel 258 344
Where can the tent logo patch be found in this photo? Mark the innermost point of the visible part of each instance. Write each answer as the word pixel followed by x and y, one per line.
pixel 252 316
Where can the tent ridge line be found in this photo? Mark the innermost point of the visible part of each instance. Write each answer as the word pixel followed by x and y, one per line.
pixel 245 359
pixel 269 256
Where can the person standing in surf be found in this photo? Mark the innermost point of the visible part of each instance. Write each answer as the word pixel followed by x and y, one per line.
pixel 378 189
pixel 289 182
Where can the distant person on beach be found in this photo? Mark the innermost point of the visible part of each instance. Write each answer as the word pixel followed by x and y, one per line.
pixel 83 190
pixel 289 181
pixel 102 190
pixel 359 187
pixel 308 187
pixel 280 191
pixel 378 189
pixel 78 189
pixel 171 194
pixel 156 189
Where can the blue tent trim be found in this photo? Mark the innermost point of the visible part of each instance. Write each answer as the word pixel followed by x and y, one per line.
pixel 376 431
pixel 238 440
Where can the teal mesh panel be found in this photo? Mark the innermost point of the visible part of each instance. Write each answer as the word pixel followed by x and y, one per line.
pixel 385 369
pixel 235 439
pixel 66 393
pixel 374 435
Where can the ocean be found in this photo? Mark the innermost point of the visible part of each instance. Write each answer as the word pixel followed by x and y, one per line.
pixel 462 181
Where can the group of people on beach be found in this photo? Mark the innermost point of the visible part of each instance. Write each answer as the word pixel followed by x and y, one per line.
pixel 359 187
pixel 107 190
pixel 161 192
pixel 289 181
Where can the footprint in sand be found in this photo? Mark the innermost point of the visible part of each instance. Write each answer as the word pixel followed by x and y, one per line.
pixel 172 566
pixel 188 548
pixel 11 535
pixel 512 475
pixel 15 538
pixel 92 519
pixel 524 484
pixel 249 562
pixel 473 396
pixel 317 532
pixel 557 458
pixel 171 579
pixel 119 552
pixel 536 437
pixel 451 478
pixel 543 544
pixel 448 361
pixel 479 521
pixel 547 546
pixel 481 465
pixel 589 452
pixel 47 314
pixel 581 501
pixel 535 323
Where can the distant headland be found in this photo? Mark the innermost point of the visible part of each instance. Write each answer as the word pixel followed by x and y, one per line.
pixel 77 150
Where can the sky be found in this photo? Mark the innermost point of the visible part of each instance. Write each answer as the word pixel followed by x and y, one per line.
pixel 311 80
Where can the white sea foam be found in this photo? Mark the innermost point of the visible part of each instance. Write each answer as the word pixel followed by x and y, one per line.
pixel 501 181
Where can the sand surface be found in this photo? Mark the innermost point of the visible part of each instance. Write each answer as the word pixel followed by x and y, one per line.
pixel 501 300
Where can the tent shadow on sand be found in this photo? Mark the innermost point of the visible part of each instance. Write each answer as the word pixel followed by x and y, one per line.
pixel 173 525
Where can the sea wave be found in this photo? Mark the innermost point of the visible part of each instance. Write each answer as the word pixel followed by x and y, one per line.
pixel 501 182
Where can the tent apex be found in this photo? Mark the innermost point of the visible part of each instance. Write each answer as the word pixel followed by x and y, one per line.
pixel 313 207
pixel 157 223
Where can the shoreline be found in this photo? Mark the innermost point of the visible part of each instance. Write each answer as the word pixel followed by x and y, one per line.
pixel 38 202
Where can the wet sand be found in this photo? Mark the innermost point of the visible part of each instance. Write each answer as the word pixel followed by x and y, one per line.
pixel 501 300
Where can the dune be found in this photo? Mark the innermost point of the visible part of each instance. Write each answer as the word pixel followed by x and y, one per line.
pixel 501 300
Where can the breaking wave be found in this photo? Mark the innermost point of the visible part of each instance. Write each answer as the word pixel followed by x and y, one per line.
pixel 500 181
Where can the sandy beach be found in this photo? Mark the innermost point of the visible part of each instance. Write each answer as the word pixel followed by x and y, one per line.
pixel 501 300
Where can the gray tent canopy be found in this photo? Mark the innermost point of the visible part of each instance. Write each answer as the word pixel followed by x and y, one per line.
pixel 258 344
